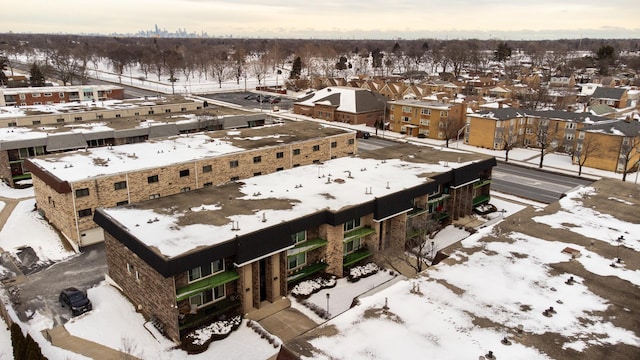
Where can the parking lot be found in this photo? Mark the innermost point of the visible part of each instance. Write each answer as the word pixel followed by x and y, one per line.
pixel 240 98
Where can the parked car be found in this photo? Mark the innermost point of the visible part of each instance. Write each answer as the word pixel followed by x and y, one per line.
pixel 274 100
pixel 263 98
pixel 76 300
pixel 250 97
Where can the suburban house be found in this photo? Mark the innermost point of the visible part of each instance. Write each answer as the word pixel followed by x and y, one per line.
pixel 612 145
pixel 497 128
pixel 70 186
pixel 428 119
pixel 343 104
pixel 562 81
pixel 48 95
pixel 614 97
pixel 187 259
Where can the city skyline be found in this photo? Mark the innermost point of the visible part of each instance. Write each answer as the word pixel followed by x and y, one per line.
pixel 333 19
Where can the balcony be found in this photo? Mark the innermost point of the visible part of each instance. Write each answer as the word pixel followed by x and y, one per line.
pixel 356 256
pixel 482 183
pixel 478 200
pixel 306 246
pixel 205 284
pixel 306 271
pixel 358 233
pixel 218 310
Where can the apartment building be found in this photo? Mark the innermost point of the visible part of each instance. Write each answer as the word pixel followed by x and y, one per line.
pixel 424 118
pixel 50 95
pixel 185 259
pixel 497 128
pixel 70 186
pixel 612 145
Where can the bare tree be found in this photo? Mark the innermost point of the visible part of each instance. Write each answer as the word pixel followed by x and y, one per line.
pixel 450 127
pixel 64 64
pixel 629 148
pixel 456 53
pixel 509 141
pixel 173 62
pixel 259 69
pixel 545 134
pixel 220 69
pixel 120 57
pixel 585 149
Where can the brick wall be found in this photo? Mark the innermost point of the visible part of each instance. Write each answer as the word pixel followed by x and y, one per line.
pixel 152 294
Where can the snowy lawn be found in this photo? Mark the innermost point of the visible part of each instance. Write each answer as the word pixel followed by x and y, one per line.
pixel 7 192
pixel 26 227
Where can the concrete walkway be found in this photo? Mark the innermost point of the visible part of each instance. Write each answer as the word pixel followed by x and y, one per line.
pixel 60 337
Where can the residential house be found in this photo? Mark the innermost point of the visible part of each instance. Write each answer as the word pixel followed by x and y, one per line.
pixel 343 104
pixel 70 186
pixel 237 247
pixel 614 97
pixel 562 81
pixel 424 118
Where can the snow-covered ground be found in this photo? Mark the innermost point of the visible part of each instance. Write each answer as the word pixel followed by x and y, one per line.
pixel 465 306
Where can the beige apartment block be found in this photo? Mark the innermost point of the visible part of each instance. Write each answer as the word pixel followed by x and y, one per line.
pixel 69 187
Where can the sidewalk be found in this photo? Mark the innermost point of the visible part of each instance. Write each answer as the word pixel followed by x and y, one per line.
pixel 60 337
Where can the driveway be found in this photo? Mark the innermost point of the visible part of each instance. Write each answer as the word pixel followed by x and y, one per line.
pixel 38 292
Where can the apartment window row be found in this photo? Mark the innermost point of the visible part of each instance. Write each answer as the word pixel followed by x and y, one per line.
pixel 82 192
pixel 208 296
pixel 204 271
pixel 352 224
pixel 85 213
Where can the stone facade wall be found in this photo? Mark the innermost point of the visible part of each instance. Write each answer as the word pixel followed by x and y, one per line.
pixel 334 249
pixel 245 287
pixel 102 191
pixel 460 202
pixel 5 168
pixel 397 227
pixel 150 293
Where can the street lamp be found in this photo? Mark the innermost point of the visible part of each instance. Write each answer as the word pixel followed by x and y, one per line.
pixel 328 296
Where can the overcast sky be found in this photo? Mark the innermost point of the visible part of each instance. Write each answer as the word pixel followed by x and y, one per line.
pixel 346 19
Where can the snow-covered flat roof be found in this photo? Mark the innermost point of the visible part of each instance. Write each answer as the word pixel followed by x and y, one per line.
pixel 176 224
pixel 102 161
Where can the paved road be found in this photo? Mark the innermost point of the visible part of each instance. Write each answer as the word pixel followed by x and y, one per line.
pixel 531 183
pixel 238 98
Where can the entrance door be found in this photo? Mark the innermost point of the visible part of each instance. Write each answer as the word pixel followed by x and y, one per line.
pixel 263 280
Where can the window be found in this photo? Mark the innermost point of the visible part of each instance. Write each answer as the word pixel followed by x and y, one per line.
pixel 206 168
pixel 77 118
pixel 406 119
pixel 296 261
pixel 137 275
pixel 82 192
pixel 425 122
pixel 59 120
pixel 120 203
pixel 257 173
pixel 208 184
pixel 208 296
pixel 581 135
pixel 351 246
pixel 129 268
pixel 571 125
pixel 21 96
pixel 204 271
pixel 351 141
pixel 234 178
pixel 36 122
pixel 257 159
pixel 316 147
pixel 35 95
pixel 299 237
pixel 120 185
pixel 233 163
pixel 61 95
pixel 569 136
pixel 425 111
pixel 184 172
pixel 154 196
pixel 334 144
pixel 84 212
pixel 352 224
pixel 280 169
pixel 47 94
pixel 279 155
pixel 185 189
pixel 296 151
pixel 152 179
pixel 406 109
pixel 444 114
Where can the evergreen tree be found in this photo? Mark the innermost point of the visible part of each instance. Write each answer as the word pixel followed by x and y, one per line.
pixel 36 76
pixel 32 350
pixel 503 52
pixel 3 66
pixel 296 68
pixel 18 342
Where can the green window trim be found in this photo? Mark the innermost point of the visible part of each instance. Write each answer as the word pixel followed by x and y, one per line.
pixel 439 198
pixel 360 232
pixel 206 284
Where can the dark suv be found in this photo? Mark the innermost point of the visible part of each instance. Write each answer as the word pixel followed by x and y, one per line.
pixel 76 299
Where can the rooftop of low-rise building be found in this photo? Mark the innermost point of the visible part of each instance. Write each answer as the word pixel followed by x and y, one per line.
pixel 110 160
pixel 178 224
pixel 512 113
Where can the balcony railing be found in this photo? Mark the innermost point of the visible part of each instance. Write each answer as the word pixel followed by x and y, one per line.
pixel 307 246
pixel 356 256
pixel 213 312
pixel 357 233
pixel 302 273
pixel 482 183
pixel 478 200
